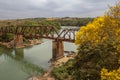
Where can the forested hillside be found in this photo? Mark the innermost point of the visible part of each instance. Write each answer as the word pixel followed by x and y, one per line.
pixel 67 21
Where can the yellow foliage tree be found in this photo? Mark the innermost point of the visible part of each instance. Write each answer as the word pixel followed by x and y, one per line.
pixel 104 29
pixel 92 32
pixel 110 75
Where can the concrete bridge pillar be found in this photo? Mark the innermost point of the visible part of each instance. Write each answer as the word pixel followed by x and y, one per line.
pixel 57 50
pixel 18 40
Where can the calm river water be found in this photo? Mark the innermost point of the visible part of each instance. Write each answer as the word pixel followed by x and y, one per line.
pixel 19 64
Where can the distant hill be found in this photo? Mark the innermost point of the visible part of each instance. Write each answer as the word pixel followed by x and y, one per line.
pixel 64 21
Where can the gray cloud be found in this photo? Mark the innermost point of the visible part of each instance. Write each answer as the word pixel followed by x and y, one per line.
pixel 13 9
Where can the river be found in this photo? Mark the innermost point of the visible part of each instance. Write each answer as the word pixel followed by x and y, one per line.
pixel 19 64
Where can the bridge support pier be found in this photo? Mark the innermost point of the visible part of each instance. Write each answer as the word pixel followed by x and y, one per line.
pixel 18 41
pixel 57 50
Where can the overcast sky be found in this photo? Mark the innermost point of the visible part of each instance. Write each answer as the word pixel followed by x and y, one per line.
pixel 14 9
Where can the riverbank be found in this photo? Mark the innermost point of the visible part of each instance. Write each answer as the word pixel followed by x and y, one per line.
pixel 48 74
pixel 29 43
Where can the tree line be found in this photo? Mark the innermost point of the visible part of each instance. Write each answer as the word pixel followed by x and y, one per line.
pixel 69 21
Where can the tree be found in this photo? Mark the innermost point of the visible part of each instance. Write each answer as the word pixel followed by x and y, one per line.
pixel 98 41
pixel 110 75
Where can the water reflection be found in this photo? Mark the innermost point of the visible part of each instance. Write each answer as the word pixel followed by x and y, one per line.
pixel 15 58
pixel 5 50
pixel 19 53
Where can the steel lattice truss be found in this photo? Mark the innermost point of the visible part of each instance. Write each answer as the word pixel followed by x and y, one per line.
pixel 66 34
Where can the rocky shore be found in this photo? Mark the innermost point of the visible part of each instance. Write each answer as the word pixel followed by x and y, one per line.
pixel 48 74
pixel 29 43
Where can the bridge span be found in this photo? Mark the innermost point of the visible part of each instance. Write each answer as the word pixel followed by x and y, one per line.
pixel 58 36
